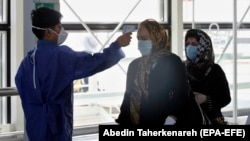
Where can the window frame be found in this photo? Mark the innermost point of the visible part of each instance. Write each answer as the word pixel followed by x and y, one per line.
pixel 5 27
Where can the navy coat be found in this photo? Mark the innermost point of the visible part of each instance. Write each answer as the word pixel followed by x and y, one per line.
pixel 45 84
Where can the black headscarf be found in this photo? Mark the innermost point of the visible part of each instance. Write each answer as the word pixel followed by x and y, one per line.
pixel 204 61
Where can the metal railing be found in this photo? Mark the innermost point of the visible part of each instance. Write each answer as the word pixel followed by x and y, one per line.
pixel 8 91
pixel 80 130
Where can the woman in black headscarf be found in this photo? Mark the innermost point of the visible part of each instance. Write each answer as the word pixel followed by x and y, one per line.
pixel 207 79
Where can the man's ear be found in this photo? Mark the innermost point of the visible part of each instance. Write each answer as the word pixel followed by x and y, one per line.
pixel 47 33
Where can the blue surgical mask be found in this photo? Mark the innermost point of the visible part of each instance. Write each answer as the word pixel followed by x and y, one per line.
pixel 192 51
pixel 144 46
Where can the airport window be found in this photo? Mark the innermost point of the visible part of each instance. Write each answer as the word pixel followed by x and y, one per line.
pixel 216 18
pixel 3 11
pixel 206 11
pixel 93 26
pixel 113 10
pixel 196 13
pixel 98 98
pixel 4 60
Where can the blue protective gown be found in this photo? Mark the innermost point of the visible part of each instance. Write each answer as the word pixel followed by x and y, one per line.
pixel 47 94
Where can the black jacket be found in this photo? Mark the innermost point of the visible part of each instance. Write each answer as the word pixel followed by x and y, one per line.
pixel 215 86
pixel 168 93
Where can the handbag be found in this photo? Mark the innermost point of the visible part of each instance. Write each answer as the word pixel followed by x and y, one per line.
pixel 205 119
pixel 219 120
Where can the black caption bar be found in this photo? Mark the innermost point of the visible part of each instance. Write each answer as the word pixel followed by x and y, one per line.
pixel 116 132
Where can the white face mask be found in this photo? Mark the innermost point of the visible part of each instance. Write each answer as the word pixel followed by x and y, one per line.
pixel 61 36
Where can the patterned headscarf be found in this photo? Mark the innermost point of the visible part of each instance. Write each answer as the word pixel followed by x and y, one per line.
pixel 158 35
pixel 160 48
pixel 202 64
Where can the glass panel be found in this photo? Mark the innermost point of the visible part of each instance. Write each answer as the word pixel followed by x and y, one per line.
pixel 243 70
pixel 1 58
pixel 3 11
pixel 113 10
pixel 1 98
pixel 98 98
pixel 213 10
pixel 3 61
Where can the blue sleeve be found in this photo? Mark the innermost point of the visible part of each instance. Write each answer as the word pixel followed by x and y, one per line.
pixel 88 64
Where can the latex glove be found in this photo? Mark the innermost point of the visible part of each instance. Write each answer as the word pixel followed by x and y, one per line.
pixel 169 121
pixel 200 98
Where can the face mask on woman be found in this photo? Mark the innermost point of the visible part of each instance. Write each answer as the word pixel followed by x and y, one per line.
pixel 191 51
pixel 144 46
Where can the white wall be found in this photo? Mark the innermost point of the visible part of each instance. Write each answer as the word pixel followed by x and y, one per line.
pixel 16 55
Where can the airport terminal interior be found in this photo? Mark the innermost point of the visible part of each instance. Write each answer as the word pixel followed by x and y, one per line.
pixel 94 24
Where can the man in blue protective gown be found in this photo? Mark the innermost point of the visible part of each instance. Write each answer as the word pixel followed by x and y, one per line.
pixel 45 77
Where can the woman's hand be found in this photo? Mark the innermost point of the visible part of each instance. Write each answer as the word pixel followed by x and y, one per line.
pixel 200 98
pixel 170 120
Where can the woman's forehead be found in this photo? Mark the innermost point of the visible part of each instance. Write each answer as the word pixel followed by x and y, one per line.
pixel 191 39
pixel 142 32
